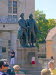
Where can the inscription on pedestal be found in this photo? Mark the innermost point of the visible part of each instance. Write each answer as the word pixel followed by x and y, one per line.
pixel 30 55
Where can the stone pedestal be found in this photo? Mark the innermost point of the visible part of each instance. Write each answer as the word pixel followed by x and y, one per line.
pixel 24 55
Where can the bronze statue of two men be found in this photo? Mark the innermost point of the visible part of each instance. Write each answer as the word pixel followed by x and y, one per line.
pixel 27 31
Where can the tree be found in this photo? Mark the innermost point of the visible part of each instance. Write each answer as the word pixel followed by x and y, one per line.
pixel 42 24
pixel 51 23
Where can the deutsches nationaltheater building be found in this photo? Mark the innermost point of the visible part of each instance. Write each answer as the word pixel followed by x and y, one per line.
pixel 10 11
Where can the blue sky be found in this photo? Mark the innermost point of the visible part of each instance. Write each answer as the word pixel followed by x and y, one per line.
pixel 47 6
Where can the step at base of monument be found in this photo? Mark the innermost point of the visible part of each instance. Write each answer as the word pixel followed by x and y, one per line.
pixel 31 72
pixel 32 69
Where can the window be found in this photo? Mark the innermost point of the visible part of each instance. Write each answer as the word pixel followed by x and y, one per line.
pixel 9 43
pixel 14 3
pixel 9 6
pixel 10 3
pixel 14 6
pixel 3 49
pixel 12 10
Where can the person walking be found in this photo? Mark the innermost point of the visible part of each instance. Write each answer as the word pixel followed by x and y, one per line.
pixel 12 55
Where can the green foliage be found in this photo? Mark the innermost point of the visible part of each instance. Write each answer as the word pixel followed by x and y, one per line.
pixel 42 24
pixel 51 23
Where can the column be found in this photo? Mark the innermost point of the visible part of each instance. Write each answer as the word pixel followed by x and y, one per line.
pixel 13 37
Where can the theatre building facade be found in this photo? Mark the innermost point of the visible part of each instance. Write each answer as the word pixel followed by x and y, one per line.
pixel 10 11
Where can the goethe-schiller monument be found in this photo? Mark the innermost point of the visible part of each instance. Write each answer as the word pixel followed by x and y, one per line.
pixel 9 16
